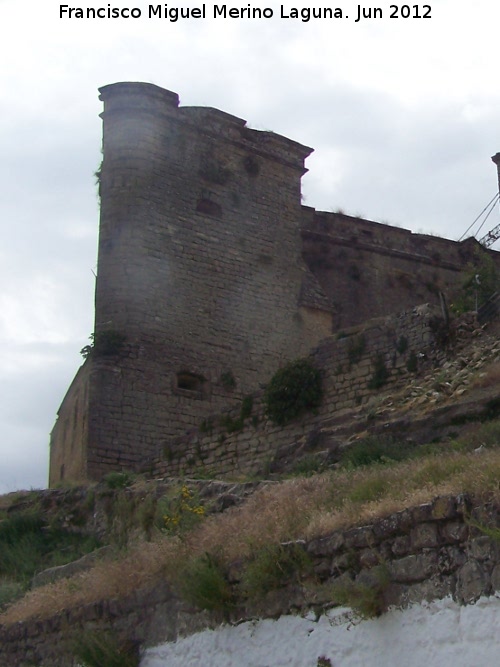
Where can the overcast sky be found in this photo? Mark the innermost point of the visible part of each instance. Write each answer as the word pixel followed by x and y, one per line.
pixel 403 114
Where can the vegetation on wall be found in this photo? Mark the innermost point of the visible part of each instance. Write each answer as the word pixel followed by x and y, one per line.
pixel 356 348
pixel 94 649
pixel 480 281
pixel 380 373
pixel 293 390
pixel 105 343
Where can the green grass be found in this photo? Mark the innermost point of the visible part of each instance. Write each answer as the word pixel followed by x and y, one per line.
pixel 28 545
pixel 204 584
pixel 105 650
pixel 365 599
pixel 273 567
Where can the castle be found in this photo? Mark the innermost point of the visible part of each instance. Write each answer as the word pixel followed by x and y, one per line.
pixel 212 274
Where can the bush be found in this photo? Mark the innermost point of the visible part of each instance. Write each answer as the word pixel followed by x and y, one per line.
pixel 105 343
pixel 118 480
pixel 356 349
pixel 179 512
pixel 273 567
pixel 203 583
pixel 105 650
pixel 380 373
pixel 293 390
pixel 376 449
pixel 365 598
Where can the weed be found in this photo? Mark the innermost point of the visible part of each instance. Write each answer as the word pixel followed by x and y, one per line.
pixel 436 470
pixel 323 662
pixel 356 348
pixel 147 515
pixel 309 464
pixel 368 490
pixel 365 598
pixel 380 373
pixel 118 480
pixel 104 343
pixel 28 544
pixel 9 592
pixel 273 567
pixel 232 424
pixel 246 407
pixel 180 512
pixel 402 344
pixel 293 390
pixel 203 583
pixel 207 426
pixel 412 363
pixel 492 532
pixel 227 380
pixel 375 449
pixel 120 519
pixel 105 650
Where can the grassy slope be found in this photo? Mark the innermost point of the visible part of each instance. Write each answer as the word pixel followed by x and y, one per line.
pixel 298 508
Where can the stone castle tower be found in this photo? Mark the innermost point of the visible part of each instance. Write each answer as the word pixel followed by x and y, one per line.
pixel 200 277
pixel 211 275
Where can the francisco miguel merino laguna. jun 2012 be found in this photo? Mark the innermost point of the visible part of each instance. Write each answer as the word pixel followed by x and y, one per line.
pixel 174 13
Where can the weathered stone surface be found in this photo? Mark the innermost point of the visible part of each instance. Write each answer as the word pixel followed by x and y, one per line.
pixel 359 537
pixel 472 582
pixel 495 578
pixel 454 531
pixel 424 535
pixel 413 568
pixel 401 545
pixel 483 548
pixel 450 559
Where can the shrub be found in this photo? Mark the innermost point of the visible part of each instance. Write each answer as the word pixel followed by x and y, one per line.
pixel 105 343
pixel 292 390
pixel 310 464
pixel 273 567
pixel 180 512
pixel 356 349
pixel 402 344
pixel 246 407
pixel 380 373
pixel 412 363
pixel 203 583
pixel 323 662
pixel 105 650
pixel 118 480
pixel 227 380
pixel 365 598
pixel 376 449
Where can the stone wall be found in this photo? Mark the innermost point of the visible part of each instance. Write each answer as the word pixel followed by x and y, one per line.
pixel 368 269
pixel 68 440
pixel 351 363
pixel 427 552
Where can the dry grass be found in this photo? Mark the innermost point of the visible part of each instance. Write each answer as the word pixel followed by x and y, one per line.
pixel 299 508
pixel 488 378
